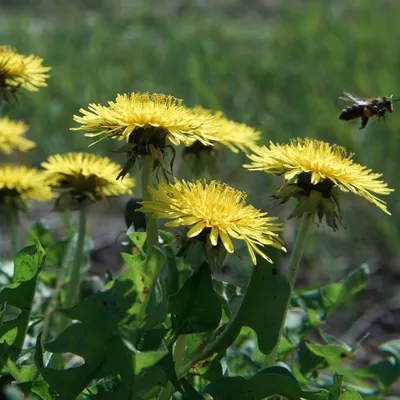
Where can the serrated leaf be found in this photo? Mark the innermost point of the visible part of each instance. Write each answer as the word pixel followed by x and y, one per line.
pixel 196 306
pixel 28 264
pixel 94 338
pixel 264 304
pixel 269 382
pixel 143 273
pixel 137 238
pixel 319 302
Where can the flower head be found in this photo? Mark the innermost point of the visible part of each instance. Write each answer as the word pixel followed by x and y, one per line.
pixel 85 176
pixel 142 118
pixel 146 122
pixel 217 211
pixel 234 135
pixel 17 70
pixel 310 166
pixel 11 136
pixel 19 183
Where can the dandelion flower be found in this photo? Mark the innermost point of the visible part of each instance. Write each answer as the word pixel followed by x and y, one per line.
pixel 144 118
pixel 148 123
pixel 85 176
pixel 310 166
pixel 216 210
pixel 19 183
pixel 17 70
pixel 11 136
pixel 234 135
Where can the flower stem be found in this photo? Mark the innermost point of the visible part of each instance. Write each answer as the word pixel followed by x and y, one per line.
pixel 71 296
pixel 179 353
pixel 75 272
pixel 13 225
pixel 151 223
pixel 292 269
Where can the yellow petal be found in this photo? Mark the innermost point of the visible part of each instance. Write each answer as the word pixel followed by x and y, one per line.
pixel 214 236
pixel 227 242
pixel 196 229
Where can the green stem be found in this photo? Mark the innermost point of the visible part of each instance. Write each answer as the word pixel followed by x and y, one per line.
pixel 57 361
pixel 13 369
pixel 151 223
pixel 75 273
pixel 292 269
pixel 179 354
pixel 13 225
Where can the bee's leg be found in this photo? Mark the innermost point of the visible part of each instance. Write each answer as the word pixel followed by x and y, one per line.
pixel 364 122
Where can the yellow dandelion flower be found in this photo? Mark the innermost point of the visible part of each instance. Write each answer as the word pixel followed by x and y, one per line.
pixel 234 135
pixel 218 210
pixel 144 119
pixel 86 174
pixel 17 70
pixel 21 182
pixel 319 166
pixel 11 136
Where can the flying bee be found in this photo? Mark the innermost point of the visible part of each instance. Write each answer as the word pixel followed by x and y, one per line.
pixel 365 109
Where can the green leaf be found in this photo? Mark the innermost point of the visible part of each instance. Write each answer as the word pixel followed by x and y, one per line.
pixel 196 306
pixel 55 253
pixel 319 302
pixel 137 238
pixel 143 273
pixel 157 376
pixel 39 231
pixel 189 392
pixel 269 382
pixel 173 273
pixel 210 369
pixel 147 359
pixel 102 312
pixel 167 238
pixel 264 305
pixel 157 308
pixel 151 339
pixel 387 370
pixel 32 382
pixel 94 338
pixel 28 264
pixel 331 353
pixel 336 388
pixel 350 394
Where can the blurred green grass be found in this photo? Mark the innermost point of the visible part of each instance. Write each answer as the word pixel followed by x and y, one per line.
pixel 279 66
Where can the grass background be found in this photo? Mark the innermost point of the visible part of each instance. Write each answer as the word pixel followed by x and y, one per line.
pixel 279 66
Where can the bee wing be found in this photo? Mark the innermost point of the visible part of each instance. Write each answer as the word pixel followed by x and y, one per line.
pixel 353 98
